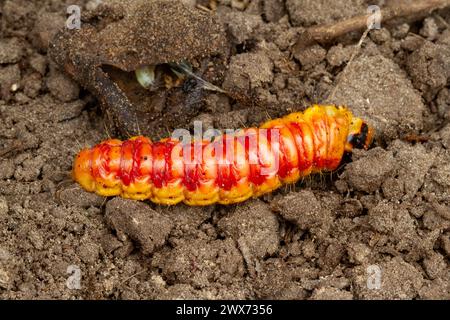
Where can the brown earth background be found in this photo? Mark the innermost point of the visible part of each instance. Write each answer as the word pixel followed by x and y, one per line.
pixel 387 209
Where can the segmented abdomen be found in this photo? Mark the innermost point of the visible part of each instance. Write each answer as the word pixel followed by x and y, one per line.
pixel 230 169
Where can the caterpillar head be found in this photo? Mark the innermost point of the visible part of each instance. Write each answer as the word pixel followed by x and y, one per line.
pixel 360 135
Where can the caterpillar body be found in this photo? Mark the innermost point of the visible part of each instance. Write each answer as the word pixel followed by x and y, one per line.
pixel 229 169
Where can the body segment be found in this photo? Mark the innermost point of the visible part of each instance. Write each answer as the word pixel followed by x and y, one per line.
pixel 229 169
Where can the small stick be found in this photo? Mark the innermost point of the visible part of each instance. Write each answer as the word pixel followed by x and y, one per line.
pixel 413 10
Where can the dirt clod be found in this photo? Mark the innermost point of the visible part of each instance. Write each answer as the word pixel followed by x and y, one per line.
pixel 11 51
pixel 137 221
pixel 248 71
pixel 398 280
pixel 367 174
pixel 338 55
pixel 46 26
pixel 369 89
pixel 311 56
pixel 386 218
pixel 434 265
pixel 75 196
pixel 254 224
pixel 62 87
pixel 429 68
pixel 200 263
pixel 305 210
pixel 310 12
pixel 430 29
pixel 242 27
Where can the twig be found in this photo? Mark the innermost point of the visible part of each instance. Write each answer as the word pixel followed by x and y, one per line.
pixel 411 10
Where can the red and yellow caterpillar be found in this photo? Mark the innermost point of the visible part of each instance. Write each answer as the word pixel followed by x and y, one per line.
pixel 229 169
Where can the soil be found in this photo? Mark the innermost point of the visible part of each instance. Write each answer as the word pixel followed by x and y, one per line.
pixel 385 212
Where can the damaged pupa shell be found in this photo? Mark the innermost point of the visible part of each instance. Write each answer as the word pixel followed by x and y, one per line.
pixel 122 37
